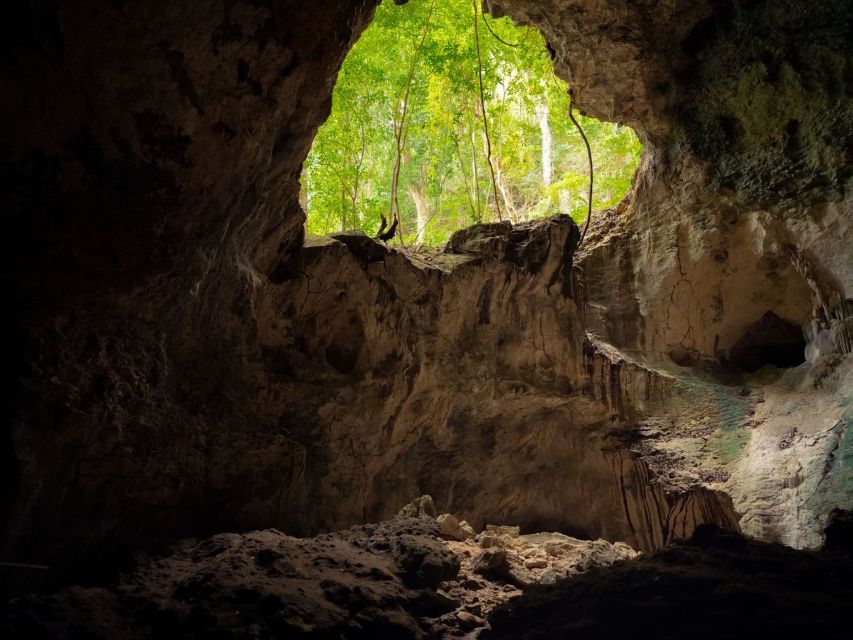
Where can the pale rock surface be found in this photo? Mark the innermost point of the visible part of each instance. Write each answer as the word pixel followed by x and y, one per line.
pixel 715 236
pixel 542 558
pixel 450 526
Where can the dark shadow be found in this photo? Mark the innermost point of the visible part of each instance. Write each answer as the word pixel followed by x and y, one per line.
pixel 717 585
pixel 769 341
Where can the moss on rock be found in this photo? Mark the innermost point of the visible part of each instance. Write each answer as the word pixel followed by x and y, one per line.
pixel 768 102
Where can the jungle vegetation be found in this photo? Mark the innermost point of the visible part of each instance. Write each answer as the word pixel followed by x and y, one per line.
pixel 408 135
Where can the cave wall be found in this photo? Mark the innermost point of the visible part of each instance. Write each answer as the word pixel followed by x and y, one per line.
pixel 150 163
pixel 181 364
pixel 741 207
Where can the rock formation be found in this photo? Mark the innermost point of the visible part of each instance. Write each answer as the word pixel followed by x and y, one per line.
pixel 740 212
pixel 733 589
pixel 397 579
pixel 181 361
pixel 400 579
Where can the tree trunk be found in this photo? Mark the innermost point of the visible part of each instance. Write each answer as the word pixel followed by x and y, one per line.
pixel 303 198
pixel 503 187
pixel 543 114
pixel 484 113
pixel 343 208
pixel 466 181
pixel 358 165
pixel 476 173
pixel 400 126
pixel 423 212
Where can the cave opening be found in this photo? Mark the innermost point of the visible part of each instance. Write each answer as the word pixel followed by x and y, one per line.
pixel 770 340
pixel 214 424
pixel 443 117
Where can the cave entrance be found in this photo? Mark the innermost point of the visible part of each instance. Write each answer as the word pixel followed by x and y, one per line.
pixel 409 95
pixel 771 340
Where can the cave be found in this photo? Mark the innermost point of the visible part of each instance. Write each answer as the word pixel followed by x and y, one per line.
pixel 769 341
pixel 217 425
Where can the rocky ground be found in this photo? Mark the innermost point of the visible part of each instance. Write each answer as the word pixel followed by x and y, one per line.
pixel 404 578
pixel 398 579
pixel 717 585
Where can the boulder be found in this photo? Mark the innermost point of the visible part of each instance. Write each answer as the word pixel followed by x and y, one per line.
pixel 451 527
pixel 422 507
pixel 489 561
pixel 425 562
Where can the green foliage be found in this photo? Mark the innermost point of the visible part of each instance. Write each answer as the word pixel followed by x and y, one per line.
pixel 347 176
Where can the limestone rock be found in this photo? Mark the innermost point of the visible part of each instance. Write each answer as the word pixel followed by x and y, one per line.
pixel 717 584
pixel 489 561
pixel 392 579
pixel 547 557
pixel 182 361
pixel 422 507
pixel 364 248
pixel 503 530
pixel 468 621
pixel 482 239
pixel 334 585
pixel 425 562
pixel 450 526
pixel 536 564
pixel 341 585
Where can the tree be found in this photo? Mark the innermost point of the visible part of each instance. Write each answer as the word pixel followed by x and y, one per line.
pixel 411 96
pixel 401 131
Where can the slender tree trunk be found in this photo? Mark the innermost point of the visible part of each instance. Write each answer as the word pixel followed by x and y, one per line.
pixel 465 179
pixel 503 188
pixel 476 173
pixel 400 125
pixel 354 201
pixel 358 165
pixel 303 198
pixel 395 173
pixel 543 114
pixel 505 193
pixel 423 212
pixel 343 207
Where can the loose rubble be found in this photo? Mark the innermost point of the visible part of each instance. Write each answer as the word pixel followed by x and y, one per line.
pixel 404 579
pixel 410 577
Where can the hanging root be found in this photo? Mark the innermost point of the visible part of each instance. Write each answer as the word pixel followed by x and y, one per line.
pixel 589 156
pixel 485 116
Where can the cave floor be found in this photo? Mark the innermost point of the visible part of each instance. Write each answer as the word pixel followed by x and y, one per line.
pixel 403 579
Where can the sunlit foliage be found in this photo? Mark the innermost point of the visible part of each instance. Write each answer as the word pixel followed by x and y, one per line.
pixel 445 183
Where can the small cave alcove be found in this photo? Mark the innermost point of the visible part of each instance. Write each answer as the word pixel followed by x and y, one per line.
pixel 344 348
pixel 771 340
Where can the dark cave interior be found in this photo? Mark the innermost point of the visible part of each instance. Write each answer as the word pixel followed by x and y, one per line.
pixel 212 421
pixel 769 341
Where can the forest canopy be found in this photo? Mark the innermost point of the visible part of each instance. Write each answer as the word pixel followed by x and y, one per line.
pixel 416 76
